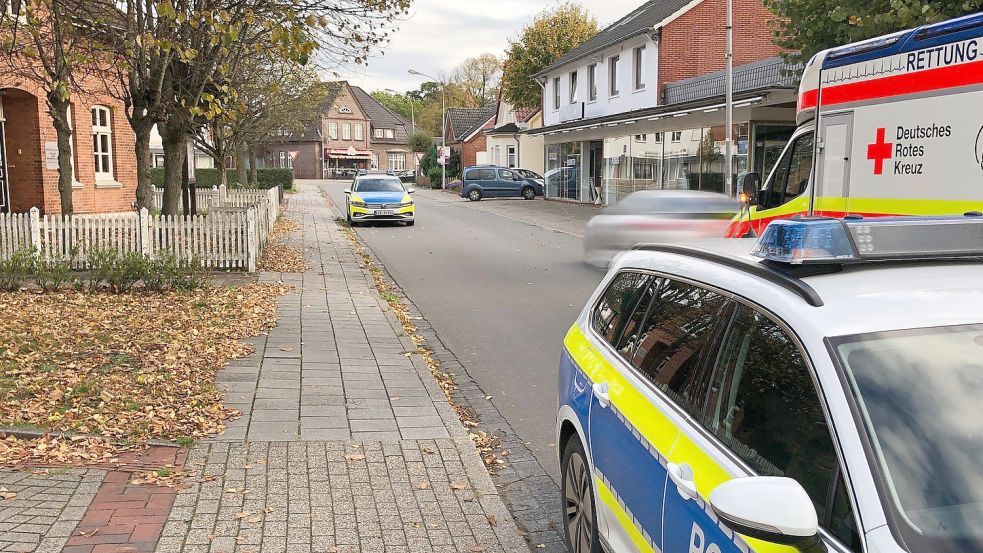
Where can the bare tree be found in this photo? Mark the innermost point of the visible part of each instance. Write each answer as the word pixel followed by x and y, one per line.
pixel 479 77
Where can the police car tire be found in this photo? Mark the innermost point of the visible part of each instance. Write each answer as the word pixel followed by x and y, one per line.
pixel 575 448
pixel 410 223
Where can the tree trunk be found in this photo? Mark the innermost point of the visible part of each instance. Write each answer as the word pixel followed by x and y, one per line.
pixel 242 158
pixel 58 109
pixel 175 158
pixel 145 185
pixel 253 173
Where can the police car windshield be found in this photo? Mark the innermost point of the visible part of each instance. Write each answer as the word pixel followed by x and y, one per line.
pixel 379 185
pixel 918 395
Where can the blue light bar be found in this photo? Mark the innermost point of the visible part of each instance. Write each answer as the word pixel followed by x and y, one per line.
pixel 810 240
pixel 806 240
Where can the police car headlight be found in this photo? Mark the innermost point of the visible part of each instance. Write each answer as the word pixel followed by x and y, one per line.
pixel 406 204
pixel 357 204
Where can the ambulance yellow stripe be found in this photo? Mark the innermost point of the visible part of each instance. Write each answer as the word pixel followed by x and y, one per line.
pixel 609 499
pixel 656 427
pixel 873 206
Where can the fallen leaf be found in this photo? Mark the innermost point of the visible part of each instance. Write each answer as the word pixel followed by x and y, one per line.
pixel 492 520
pixel 475 548
pixel 458 486
pixel 421 485
pixel 6 494
pixel 355 457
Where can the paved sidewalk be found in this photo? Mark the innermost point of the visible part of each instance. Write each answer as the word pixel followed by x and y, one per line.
pixel 346 443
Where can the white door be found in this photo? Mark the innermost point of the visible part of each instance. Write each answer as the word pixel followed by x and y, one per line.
pixel 833 172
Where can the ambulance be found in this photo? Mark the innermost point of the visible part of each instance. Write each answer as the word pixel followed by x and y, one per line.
pixel 900 131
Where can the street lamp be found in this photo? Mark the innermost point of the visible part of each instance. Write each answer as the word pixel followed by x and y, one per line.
pixel 443 123
pixel 410 98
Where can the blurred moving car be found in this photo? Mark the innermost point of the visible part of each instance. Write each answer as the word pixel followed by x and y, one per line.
pixel 656 216
pixel 490 181
pixel 532 175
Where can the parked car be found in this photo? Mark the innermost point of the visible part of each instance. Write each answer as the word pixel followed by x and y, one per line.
pixel 533 176
pixel 490 181
pixel 654 216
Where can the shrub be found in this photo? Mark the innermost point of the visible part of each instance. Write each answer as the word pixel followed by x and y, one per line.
pixel 268 177
pixel 51 275
pixel 190 274
pixel 435 175
pixel 121 272
pixel 162 270
pixel 15 270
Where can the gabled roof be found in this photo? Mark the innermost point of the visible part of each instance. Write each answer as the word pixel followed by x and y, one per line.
pixel 508 128
pixel 381 117
pixel 466 121
pixel 311 132
pixel 642 20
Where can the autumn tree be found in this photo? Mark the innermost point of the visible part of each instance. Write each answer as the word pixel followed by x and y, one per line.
pixel 552 33
pixel 478 78
pixel 804 27
pixel 395 102
pixel 43 45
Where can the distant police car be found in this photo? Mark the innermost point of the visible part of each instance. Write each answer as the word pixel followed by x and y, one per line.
pixel 376 197
pixel 816 390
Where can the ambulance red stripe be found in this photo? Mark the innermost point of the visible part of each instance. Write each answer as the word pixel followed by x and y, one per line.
pixel 897 85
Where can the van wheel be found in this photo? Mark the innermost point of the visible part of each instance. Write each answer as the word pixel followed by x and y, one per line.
pixel 528 193
pixel 579 514
pixel 474 194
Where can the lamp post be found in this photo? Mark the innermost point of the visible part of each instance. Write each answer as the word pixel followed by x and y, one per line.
pixel 729 124
pixel 412 113
pixel 443 123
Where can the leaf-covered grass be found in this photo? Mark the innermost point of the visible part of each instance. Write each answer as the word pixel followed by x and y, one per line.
pixel 128 367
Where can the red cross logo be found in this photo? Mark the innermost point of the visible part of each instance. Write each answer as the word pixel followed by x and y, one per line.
pixel 879 151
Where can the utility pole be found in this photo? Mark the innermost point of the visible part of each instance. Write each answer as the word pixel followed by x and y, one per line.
pixel 729 124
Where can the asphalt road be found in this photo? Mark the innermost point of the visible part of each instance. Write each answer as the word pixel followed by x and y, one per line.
pixel 500 293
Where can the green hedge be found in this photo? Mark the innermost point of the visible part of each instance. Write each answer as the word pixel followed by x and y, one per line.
pixel 208 178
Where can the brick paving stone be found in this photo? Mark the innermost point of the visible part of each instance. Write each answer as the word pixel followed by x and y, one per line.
pixel 47 508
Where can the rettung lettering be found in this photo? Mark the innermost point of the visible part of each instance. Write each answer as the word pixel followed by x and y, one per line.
pixel 946 54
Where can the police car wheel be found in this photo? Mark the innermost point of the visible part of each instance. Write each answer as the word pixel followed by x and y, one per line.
pixel 579 515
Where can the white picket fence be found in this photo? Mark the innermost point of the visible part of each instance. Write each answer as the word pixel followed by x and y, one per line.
pixel 231 235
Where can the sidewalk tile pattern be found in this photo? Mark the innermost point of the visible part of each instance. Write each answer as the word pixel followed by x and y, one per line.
pixel 47 508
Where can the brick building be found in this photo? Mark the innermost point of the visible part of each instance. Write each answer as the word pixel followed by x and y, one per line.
pixel 105 164
pixel 641 104
pixel 464 131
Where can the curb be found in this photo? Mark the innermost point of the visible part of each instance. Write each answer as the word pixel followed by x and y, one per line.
pixel 33 433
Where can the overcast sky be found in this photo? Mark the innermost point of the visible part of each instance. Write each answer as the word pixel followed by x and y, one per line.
pixel 439 34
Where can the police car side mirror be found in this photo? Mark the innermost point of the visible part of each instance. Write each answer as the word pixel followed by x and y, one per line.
pixel 348 191
pixel 410 190
pixel 768 508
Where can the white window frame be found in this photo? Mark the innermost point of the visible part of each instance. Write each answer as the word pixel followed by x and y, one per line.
pixel 677 136
pixel 641 138
pixel 281 161
pixel 346 131
pixel 378 133
pixel 358 131
pixel 638 74
pixel 614 89
pixel 374 161
pixel 510 157
pixel 333 130
pixel 556 93
pixel 658 136
pixel 397 161
pixel 102 143
pixel 390 133
pixel 592 82
pixel 573 86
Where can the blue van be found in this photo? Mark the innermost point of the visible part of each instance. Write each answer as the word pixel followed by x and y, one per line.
pixel 490 181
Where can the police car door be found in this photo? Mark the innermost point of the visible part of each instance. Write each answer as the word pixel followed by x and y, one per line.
pixel 763 415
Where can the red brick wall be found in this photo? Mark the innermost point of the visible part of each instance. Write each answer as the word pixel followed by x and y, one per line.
pixel 695 44
pixel 28 129
pixel 469 154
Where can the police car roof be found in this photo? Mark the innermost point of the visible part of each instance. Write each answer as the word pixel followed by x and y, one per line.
pixel 865 297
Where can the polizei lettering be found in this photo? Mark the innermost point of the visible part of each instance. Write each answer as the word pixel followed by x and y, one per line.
pixel 947 54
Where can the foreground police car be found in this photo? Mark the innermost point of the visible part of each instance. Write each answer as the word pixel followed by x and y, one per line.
pixel 823 397
pixel 379 197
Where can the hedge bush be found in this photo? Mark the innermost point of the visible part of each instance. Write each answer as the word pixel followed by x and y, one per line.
pixel 208 178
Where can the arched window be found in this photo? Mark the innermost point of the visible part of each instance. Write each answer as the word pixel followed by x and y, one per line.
pixel 102 142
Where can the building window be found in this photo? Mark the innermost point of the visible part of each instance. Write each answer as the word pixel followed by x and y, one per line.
pixel 658 137
pixel 158 160
pixel 397 162
pixel 375 161
pixel 333 131
pixel 102 142
pixel 677 136
pixel 641 138
pixel 390 133
pixel 511 157
pixel 378 133
pixel 573 86
pixel 358 131
pixel 592 82
pixel 613 74
pixel 556 93
pixel 346 131
pixel 639 70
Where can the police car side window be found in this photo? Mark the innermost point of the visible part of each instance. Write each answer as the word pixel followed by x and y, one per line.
pixel 676 338
pixel 764 406
pixel 614 311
